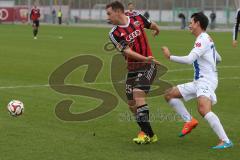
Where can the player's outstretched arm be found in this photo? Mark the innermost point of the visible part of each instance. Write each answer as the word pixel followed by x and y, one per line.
pixel 134 55
pixel 189 59
pixel 166 52
pixel 155 28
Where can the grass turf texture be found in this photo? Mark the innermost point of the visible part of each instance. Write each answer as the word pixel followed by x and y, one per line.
pixel 39 134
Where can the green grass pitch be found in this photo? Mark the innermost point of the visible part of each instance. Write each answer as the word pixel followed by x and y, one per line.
pixel 26 65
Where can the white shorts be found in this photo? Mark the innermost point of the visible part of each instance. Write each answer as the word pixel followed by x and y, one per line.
pixel 197 88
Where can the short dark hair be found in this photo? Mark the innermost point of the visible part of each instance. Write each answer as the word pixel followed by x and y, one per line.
pixel 201 18
pixel 115 6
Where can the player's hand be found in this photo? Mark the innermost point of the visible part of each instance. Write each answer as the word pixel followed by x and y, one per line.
pixel 155 29
pixel 152 59
pixel 234 43
pixel 166 52
pixel 155 33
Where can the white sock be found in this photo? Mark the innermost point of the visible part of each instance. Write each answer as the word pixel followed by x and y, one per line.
pixel 179 107
pixel 216 126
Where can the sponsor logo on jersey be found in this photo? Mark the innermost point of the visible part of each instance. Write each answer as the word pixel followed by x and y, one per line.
pixel 133 35
pixel 198 44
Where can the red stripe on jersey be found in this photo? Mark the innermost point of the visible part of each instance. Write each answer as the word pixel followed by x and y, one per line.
pixel 135 44
pixel 142 39
pixel 148 51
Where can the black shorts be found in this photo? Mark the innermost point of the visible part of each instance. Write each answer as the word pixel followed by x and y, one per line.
pixel 36 23
pixel 141 79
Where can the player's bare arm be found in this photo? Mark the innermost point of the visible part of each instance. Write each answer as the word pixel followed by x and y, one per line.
pixel 166 52
pixel 189 59
pixel 155 28
pixel 134 55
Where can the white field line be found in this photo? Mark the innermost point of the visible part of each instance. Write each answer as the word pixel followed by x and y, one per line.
pixel 108 83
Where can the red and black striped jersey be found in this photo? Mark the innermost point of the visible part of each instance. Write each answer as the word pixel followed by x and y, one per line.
pixel 132 35
pixel 131 13
pixel 35 14
pixel 236 26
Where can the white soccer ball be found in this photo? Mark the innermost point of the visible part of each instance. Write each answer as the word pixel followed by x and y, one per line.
pixel 15 107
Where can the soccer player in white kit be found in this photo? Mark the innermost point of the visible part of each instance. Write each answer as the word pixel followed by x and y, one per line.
pixel 236 28
pixel 204 58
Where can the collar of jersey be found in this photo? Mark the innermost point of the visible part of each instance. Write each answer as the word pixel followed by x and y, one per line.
pixel 200 35
pixel 126 25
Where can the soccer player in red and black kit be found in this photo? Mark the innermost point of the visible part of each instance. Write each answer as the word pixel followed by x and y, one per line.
pixel 129 37
pixel 34 16
pixel 130 11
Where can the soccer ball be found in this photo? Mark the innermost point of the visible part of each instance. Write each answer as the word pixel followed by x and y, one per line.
pixel 15 107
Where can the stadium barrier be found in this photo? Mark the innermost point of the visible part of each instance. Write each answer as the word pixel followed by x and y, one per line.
pixel 13 14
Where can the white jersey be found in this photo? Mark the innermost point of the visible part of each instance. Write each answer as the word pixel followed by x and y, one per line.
pixel 204 58
pixel 205 64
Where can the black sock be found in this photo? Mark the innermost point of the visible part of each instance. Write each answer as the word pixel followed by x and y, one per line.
pixel 142 118
pixel 35 32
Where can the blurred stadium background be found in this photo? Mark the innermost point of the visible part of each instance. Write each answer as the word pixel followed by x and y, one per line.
pixel 92 11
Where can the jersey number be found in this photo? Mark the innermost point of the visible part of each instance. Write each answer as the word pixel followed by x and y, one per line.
pixel 214 53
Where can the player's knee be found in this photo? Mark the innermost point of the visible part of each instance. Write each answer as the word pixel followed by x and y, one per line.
pixel 202 110
pixel 204 105
pixel 139 101
pixel 168 95
pixel 172 93
pixel 131 103
pixel 139 97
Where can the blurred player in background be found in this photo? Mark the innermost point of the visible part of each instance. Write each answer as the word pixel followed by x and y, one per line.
pixel 131 10
pixel 34 16
pixel 183 20
pixel 129 37
pixel 236 28
pixel 213 17
pixel 204 58
pixel 59 16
